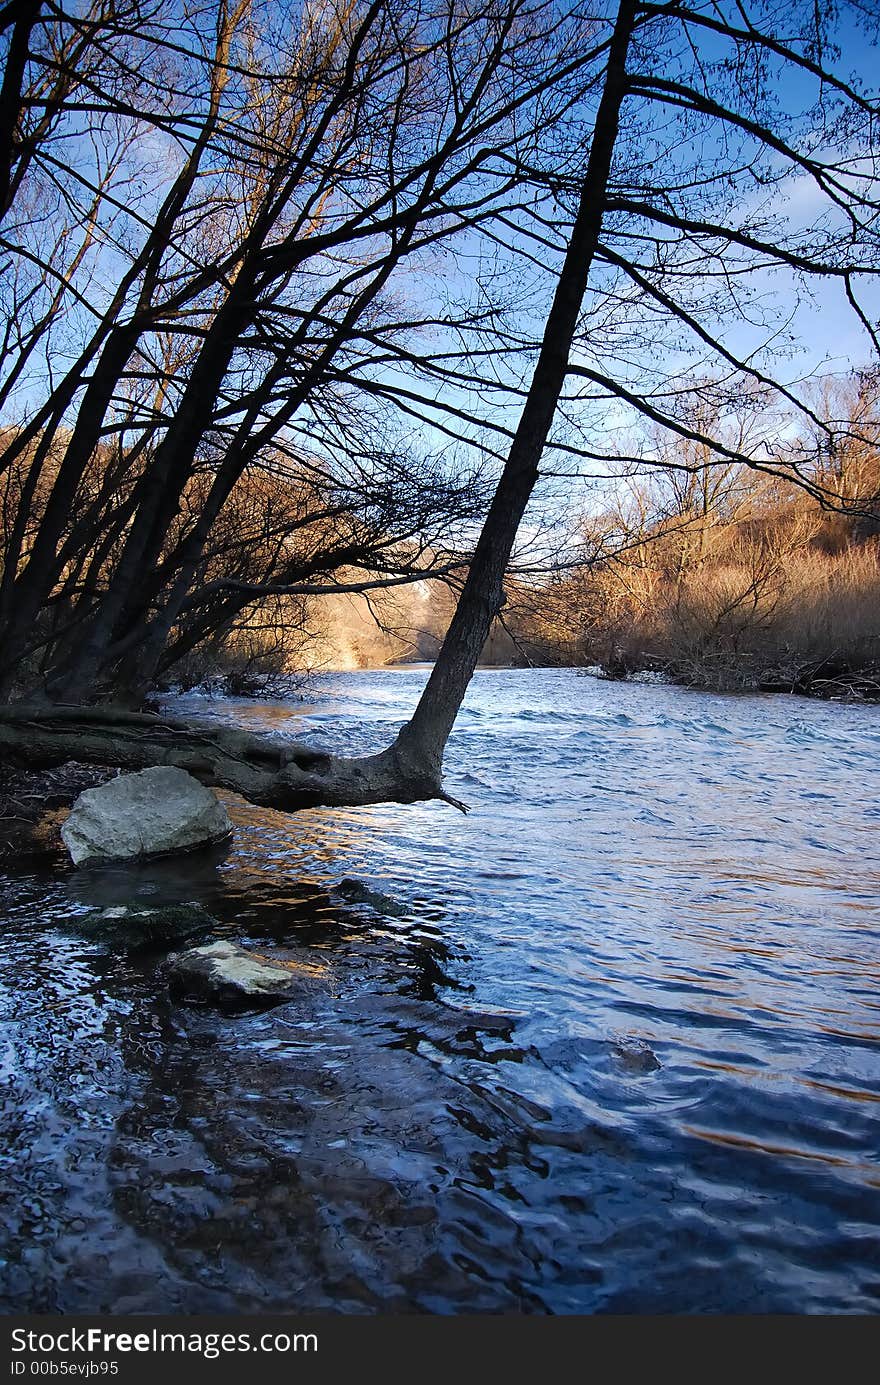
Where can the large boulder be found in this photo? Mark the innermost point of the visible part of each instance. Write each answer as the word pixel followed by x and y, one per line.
pixel 230 974
pixel 156 812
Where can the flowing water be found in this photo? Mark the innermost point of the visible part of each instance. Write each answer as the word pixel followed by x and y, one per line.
pixel 611 1043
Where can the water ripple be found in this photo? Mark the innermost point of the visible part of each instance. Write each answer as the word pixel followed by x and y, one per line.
pixel 615 1049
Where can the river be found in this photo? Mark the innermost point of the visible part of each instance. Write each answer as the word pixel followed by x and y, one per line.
pixel 614 1047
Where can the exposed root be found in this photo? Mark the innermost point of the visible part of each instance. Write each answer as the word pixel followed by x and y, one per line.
pixel 270 771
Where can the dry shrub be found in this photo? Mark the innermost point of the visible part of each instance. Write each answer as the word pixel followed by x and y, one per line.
pixel 736 624
pixel 770 599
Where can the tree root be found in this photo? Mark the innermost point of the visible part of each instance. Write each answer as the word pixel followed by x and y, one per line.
pixel 269 771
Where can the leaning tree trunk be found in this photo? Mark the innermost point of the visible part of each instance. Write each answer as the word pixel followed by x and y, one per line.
pixel 483 594
pixel 286 775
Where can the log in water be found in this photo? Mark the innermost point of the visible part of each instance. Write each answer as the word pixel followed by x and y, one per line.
pixel 610 1043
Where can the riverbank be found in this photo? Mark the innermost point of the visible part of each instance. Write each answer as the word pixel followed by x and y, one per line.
pixel 830 679
pixel 33 804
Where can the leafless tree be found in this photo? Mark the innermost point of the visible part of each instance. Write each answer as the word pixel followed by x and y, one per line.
pixel 656 205
pixel 227 237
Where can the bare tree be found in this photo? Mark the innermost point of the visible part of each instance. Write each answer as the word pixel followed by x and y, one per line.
pixel 260 293
pixel 659 209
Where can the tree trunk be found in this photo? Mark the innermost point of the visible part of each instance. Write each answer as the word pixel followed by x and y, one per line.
pixel 483 594
pixel 23 16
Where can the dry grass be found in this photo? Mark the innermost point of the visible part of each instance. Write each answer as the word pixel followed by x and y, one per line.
pixel 756 609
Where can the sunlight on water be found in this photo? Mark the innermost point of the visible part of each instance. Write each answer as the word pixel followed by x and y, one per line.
pixel 613 1045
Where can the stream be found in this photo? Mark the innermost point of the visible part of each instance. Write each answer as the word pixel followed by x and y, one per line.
pixel 608 1044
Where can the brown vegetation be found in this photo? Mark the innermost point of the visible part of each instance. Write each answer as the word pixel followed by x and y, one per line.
pixel 726 579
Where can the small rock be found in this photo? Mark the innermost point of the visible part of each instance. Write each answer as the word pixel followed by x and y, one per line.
pixel 224 971
pixel 156 812
pixel 635 1055
pixel 355 892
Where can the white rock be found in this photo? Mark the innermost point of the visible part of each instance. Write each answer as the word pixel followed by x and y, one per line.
pixel 650 677
pixel 154 813
pixel 225 971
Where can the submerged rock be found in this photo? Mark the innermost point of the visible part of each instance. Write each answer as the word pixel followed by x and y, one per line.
pixel 355 892
pixel 635 1055
pixel 133 928
pixel 225 972
pixel 156 812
